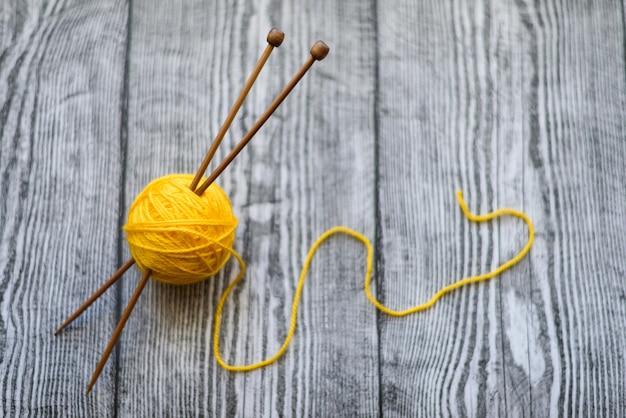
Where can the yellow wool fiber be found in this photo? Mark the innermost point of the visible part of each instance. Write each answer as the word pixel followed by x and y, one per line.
pixel 181 237
pixel 184 238
pixel 368 273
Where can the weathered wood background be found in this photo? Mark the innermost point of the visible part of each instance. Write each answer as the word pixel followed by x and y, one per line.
pixel 519 103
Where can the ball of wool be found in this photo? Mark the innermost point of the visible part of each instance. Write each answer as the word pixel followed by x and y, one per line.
pixel 181 237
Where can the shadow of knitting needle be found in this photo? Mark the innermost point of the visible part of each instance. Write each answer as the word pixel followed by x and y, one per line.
pixel 318 52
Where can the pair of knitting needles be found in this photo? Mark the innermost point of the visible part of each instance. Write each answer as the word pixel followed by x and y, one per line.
pixel 274 39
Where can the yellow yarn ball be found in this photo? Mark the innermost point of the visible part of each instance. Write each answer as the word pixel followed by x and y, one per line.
pixel 181 237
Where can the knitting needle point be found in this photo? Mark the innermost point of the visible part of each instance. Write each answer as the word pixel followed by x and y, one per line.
pixel 115 277
pixel 118 330
pixel 274 39
pixel 318 52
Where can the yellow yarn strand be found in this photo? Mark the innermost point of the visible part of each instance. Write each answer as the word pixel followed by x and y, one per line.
pixel 473 279
pixel 369 262
pixel 296 299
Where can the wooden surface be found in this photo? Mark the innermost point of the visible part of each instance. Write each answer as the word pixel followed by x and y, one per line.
pixel 520 104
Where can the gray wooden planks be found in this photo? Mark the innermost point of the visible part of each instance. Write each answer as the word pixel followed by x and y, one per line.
pixel 308 170
pixel 520 104
pixel 514 103
pixel 578 179
pixel 61 72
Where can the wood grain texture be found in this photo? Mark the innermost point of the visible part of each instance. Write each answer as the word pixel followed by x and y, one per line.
pixel 520 104
pixel 513 102
pixel 61 72
pixel 304 172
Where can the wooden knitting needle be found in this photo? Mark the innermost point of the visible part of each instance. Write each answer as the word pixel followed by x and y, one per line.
pixel 318 52
pixel 274 39
pixel 115 277
pixel 118 329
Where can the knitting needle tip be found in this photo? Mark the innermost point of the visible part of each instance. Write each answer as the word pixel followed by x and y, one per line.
pixel 275 37
pixel 120 326
pixel 115 277
pixel 319 50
